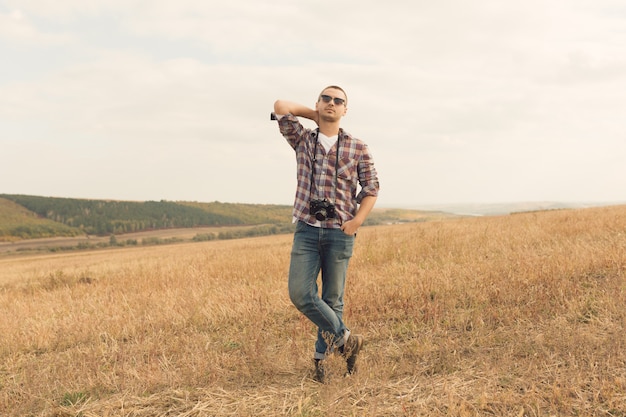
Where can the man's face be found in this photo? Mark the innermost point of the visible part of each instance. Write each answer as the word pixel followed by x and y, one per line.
pixel 330 106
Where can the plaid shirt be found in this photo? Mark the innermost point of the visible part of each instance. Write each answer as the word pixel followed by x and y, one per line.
pixel 355 167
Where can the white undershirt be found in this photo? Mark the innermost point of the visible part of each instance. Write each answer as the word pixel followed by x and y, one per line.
pixel 327 142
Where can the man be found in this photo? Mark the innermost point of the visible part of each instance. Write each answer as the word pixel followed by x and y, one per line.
pixel 328 211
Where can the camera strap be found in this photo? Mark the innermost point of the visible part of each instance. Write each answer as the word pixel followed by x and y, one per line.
pixel 314 163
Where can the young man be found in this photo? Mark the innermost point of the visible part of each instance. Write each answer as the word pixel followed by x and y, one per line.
pixel 328 211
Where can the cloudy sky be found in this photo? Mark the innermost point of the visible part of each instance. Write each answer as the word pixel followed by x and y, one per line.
pixel 460 102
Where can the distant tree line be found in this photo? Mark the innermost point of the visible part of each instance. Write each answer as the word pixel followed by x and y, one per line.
pixel 29 231
pixel 103 217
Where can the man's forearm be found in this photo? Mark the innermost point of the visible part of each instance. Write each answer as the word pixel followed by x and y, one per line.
pixel 351 226
pixel 288 107
pixel 366 206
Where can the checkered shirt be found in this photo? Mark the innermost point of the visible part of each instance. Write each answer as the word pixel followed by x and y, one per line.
pixel 354 168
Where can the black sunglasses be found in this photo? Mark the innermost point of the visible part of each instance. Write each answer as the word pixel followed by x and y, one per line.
pixel 338 101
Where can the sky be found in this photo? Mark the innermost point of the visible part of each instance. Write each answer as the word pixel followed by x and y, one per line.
pixel 486 101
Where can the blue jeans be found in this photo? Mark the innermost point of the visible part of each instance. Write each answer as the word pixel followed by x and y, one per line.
pixel 328 250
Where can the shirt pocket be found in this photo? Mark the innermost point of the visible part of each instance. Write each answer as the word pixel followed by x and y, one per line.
pixel 346 169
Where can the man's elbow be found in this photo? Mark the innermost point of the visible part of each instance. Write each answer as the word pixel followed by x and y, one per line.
pixel 281 107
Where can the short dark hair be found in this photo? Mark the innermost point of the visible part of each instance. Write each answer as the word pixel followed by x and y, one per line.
pixel 336 87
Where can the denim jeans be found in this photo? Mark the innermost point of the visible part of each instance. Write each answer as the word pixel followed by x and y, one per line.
pixel 328 250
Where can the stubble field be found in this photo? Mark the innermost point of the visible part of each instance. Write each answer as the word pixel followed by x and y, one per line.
pixel 520 315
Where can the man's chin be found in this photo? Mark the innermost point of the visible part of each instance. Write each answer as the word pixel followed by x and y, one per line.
pixel 329 117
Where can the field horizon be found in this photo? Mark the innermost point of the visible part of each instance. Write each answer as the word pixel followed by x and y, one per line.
pixel 35 224
pixel 516 315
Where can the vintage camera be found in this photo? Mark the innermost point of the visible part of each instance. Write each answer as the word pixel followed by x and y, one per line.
pixel 322 209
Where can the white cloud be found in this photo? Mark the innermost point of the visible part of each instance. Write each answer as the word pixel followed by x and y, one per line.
pixel 459 101
pixel 15 27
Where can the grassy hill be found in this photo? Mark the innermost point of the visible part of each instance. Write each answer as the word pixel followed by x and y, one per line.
pixel 245 213
pixel 17 222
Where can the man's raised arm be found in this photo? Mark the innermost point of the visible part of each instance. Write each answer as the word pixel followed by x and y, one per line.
pixel 283 107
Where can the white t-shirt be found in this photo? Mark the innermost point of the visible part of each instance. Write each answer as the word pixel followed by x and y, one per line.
pixel 327 142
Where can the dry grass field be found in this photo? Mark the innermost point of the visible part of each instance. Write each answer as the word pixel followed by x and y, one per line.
pixel 520 315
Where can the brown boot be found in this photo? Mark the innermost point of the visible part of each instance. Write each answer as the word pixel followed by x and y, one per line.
pixel 320 371
pixel 351 351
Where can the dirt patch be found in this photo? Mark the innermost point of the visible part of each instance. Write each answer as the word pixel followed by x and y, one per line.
pixel 69 242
